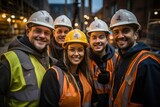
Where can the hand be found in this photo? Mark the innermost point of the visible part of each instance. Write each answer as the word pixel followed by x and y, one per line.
pixel 104 77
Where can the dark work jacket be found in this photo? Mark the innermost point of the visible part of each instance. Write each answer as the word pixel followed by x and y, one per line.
pixel 21 44
pixel 102 99
pixel 147 85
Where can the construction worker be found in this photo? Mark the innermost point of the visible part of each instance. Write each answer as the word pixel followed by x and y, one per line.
pixel 24 65
pixel 103 58
pixel 69 83
pixel 62 26
pixel 137 72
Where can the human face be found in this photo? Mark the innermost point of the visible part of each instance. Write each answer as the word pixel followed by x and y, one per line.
pixel 75 53
pixel 39 37
pixel 60 34
pixel 98 42
pixel 125 37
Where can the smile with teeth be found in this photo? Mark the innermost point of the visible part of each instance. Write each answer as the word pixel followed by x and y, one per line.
pixel 98 44
pixel 76 58
pixel 61 37
pixel 42 41
pixel 121 39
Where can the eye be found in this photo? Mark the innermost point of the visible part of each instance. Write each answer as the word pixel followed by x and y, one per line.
pixel 66 31
pixel 80 49
pixel 59 31
pixel 115 32
pixel 71 49
pixel 93 37
pixel 47 33
pixel 102 36
pixel 37 31
pixel 126 30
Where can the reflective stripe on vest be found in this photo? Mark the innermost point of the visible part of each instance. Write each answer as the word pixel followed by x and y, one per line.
pixel 126 89
pixel 60 77
pixel 100 88
pixel 69 96
pixel 26 78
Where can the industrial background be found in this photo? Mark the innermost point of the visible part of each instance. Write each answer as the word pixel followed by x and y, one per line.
pixel 15 13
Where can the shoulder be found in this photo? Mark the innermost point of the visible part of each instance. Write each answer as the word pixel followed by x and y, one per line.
pixel 151 58
pixel 149 68
pixel 8 57
pixel 53 60
pixel 50 73
pixel 53 72
pixel 149 61
pixel 149 64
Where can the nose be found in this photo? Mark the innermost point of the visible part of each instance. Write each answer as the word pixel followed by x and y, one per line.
pixel 120 34
pixel 76 52
pixel 63 34
pixel 97 39
pixel 42 35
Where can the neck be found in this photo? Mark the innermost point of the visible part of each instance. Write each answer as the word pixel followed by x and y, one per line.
pixel 73 69
pixel 101 54
pixel 124 51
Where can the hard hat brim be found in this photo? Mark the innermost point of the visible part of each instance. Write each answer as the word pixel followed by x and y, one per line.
pixel 88 33
pixel 63 26
pixel 66 43
pixel 41 24
pixel 125 23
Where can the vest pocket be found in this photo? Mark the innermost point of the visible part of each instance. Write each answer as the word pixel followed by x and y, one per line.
pixel 29 74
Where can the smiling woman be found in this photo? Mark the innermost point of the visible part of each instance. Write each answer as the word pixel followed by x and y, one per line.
pixel 75 44
pixel 75 53
pixel 69 82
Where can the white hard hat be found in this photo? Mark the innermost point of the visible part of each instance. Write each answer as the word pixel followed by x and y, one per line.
pixel 98 25
pixel 41 17
pixel 123 17
pixel 63 21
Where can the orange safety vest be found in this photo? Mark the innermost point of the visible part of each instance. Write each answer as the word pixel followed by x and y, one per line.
pixel 124 94
pixel 100 88
pixel 69 96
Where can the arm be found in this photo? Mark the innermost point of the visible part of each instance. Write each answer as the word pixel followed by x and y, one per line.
pixel 147 86
pixel 50 94
pixel 4 80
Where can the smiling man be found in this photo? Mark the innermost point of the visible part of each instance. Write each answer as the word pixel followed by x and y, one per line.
pixel 136 80
pixel 102 57
pixel 62 26
pixel 23 66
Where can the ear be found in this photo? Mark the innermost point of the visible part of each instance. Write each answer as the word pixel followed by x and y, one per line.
pixel 136 35
pixel 27 31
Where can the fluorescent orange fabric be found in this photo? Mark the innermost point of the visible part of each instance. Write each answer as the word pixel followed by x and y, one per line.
pixel 124 94
pixel 100 88
pixel 70 97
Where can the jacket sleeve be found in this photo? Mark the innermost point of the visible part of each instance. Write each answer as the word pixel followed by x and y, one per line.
pixel 50 94
pixel 4 80
pixel 147 85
